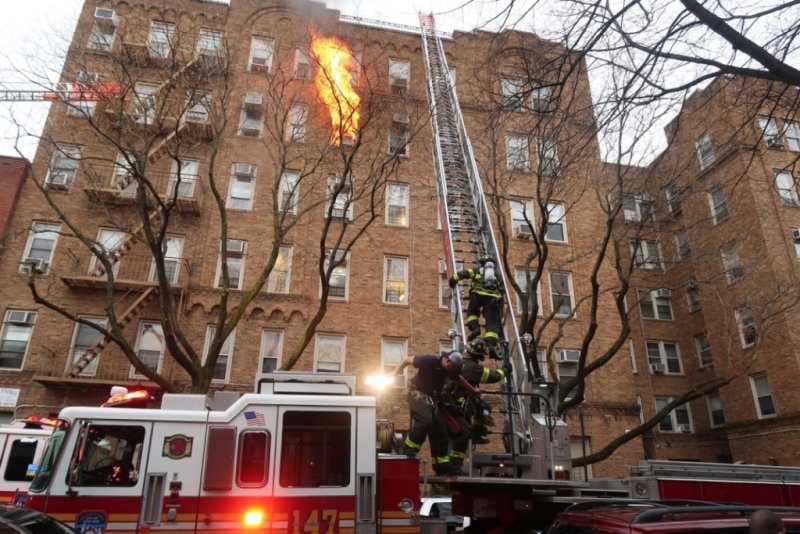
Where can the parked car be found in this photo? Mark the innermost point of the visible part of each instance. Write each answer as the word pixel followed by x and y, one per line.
pixel 442 507
pixel 639 517
pixel 20 519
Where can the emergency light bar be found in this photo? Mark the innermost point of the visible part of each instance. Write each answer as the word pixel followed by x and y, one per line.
pixel 132 399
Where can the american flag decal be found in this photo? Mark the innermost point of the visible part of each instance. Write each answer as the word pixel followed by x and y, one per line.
pixel 254 418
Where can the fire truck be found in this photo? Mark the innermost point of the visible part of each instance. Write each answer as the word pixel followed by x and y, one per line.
pixel 22 443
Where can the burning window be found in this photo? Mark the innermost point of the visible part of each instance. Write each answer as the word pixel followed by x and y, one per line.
pixel 335 88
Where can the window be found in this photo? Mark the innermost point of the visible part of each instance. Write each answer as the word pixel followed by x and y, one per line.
pixel 63 167
pixel 748 334
pixel 252 117
pixel 240 188
pixel 517 153
pixel 340 193
pixel 646 254
pixel 678 420
pixel 329 357
pixel 731 263
pixel 682 244
pixel 290 181
pixel 261 50
pixel 705 151
pixel 109 241
pixel 399 134
pixel 302 65
pixel 771 135
pixel 38 255
pixel 271 350
pixel 656 304
pixel 692 296
pixel 102 37
pixel 796 241
pixel 17 330
pixel 159 39
pixel 395 280
pixel 281 275
pixel 198 106
pixel 121 178
pixel 172 247
pixel 320 438
pixel 556 222
pixel 524 282
pixel 252 467
pixel 762 393
pixel 109 456
pixel 703 348
pixel 716 416
pixel 85 83
pixel 664 354
pixel 149 347
pixel 233 256
pixel 542 98
pixel 521 218
pixel 209 42
pixel 674 201
pixel 548 157
pixel 183 178
pixel 561 293
pixel 21 455
pixel 394 351
pixel 222 367
pixel 567 370
pixel 144 103
pixel 792 135
pixel 339 276
pixel 719 207
pixel 397 204
pixel 512 90
pixel 638 208
pixel 296 123
pixel 85 338
pixel 399 73
pixel 784 182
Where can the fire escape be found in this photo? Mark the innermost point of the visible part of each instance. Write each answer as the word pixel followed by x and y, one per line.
pixel 467 235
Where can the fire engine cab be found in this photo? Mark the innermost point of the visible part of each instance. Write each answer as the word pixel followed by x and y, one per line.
pixel 22 443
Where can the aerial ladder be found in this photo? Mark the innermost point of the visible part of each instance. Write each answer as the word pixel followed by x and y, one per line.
pixel 467 235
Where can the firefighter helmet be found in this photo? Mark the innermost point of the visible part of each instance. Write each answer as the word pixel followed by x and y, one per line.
pixel 476 349
pixel 485 259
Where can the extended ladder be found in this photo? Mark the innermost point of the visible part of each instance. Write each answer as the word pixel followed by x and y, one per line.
pixel 468 234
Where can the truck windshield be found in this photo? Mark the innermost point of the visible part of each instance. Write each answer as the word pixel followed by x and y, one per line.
pixel 51 452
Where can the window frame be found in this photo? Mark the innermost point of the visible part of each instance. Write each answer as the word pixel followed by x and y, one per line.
pixel 143 324
pixel 512 91
pixel 62 154
pixel 713 398
pixel 24 328
pixel 262 356
pixel 746 326
pixel 290 189
pixel 392 190
pixel 705 151
pixel 787 189
pixel 664 357
pixel 346 275
pixel 399 71
pixel 98 38
pixel 343 201
pixel 160 33
pixel 523 282
pixel 673 416
pixel 336 339
pixel 296 122
pixel 269 48
pixel 641 254
pixel 209 36
pixel 281 278
pixel 703 347
pixel 47 233
pixel 72 359
pixel 649 299
pixel 170 260
pixel 718 206
pixel 403 298
pixel 389 365
pixel 223 254
pixel 556 208
pixel 755 380
pixel 541 98
pixel 521 209
pixel 638 208
pixel 732 263
pixel 238 185
pixel 553 295
pixel 183 174
pixel 225 351
pixel 518 158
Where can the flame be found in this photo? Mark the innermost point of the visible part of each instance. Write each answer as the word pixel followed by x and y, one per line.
pixel 334 87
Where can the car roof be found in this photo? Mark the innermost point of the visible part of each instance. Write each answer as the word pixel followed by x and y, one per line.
pixel 21 518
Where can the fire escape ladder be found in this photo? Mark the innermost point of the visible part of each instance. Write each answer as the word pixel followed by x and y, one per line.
pixel 467 231
pixel 128 241
pixel 127 316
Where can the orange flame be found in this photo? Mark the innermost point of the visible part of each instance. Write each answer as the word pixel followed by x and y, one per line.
pixel 334 87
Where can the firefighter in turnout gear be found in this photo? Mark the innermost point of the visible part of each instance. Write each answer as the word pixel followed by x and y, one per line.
pixel 485 296
pixel 475 412
pixel 424 396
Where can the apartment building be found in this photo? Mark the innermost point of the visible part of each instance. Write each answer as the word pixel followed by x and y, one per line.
pixel 201 119
pixel 13 171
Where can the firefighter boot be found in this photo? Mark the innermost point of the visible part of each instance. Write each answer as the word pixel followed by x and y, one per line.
pixel 442 469
pixel 455 467
pixel 479 435
pixel 474 330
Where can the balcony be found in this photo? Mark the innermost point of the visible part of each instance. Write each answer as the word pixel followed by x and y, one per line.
pixel 131 273
pixel 185 195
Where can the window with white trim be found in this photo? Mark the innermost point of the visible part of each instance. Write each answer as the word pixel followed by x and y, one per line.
pixel 638 208
pixel 209 42
pixel 731 263
pixel 145 103
pixel 666 354
pixel 63 167
pixel 770 132
pixel 296 123
pixel 233 254
pixel 795 233
pixel 646 254
pixel 678 420
pixel 102 36
pixel 223 365
pixel 302 64
pixel 513 93
pixel 108 240
pixel 150 345
pixel 251 120
pixel 692 296
pixel 394 351
pixel 84 83
pixel 84 338
pixel 703 348
pixel 718 204
pixel 716 416
pixel 329 353
pixel 290 183
pixel 280 278
pixel 705 151
pixel 656 304
pixel 674 201
pixel 159 39
pixel 542 98
pixel 399 75
pixel 521 217
pixel 561 293
pixel 261 51
pixel 746 324
pixel 682 244
pixel 397 196
pixel 784 183
pixel 547 151
pixel 340 193
pixel 395 280
pixel 399 134
pixel 198 106
pixel 241 187
pixel 183 178
pixel 524 282
pixel 40 248
pixel 16 338
pixel 121 178
pixel 271 350
pixel 340 275
pixel 556 229
pixel 762 395
pixel 791 133
pixel 172 248
pixel 517 152
pixel 567 370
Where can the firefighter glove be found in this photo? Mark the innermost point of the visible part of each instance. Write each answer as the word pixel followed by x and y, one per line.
pixel 452 282
pixel 507 368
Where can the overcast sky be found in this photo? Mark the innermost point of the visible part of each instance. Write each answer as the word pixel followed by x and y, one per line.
pixel 34 31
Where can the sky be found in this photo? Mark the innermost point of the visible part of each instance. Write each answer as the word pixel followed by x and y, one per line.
pixel 33 34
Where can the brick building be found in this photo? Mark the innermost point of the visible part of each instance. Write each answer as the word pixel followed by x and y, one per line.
pixel 203 117
pixel 12 175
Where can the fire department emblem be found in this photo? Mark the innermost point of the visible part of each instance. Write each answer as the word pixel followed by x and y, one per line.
pixel 177 446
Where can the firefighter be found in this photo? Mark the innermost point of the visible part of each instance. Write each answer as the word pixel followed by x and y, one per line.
pixel 424 395
pixel 486 297
pixel 474 418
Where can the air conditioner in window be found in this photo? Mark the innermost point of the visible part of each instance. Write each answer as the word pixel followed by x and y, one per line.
pixel 235 246
pixel 338 213
pixel 663 292
pixel 400 118
pixel 253 102
pixel 522 232
pixel 657 368
pixel 684 428
pixel 775 142
pixel 36 265
pixel 243 169
pixel 106 17
pixel 21 317
pixel 399 82
pixel 259 64
pixel 58 180
pixel 796 234
pixel 89 77
pixel 251 132
pixel 569 355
